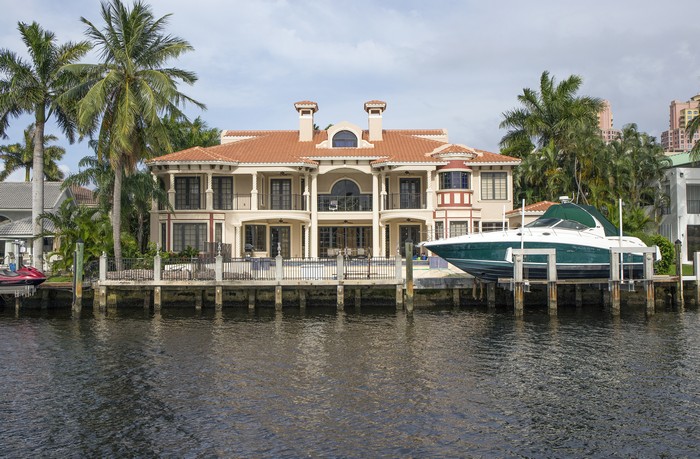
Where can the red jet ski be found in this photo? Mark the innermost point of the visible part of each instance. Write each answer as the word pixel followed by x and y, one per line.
pixel 26 275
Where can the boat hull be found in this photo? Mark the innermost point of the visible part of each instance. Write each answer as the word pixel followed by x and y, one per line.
pixel 489 260
pixel 25 275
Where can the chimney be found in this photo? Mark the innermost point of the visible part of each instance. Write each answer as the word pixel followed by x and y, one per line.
pixel 374 109
pixel 306 111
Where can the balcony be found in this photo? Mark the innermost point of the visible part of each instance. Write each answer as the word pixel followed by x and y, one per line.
pixel 396 201
pixel 281 202
pixel 330 203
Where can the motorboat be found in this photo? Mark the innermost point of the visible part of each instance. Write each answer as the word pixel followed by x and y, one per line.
pixel 580 234
pixel 25 275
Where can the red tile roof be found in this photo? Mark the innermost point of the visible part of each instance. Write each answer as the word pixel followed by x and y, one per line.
pixel 283 147
pixel 541 206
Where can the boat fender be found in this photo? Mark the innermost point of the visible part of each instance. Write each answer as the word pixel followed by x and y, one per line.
pixel 509 255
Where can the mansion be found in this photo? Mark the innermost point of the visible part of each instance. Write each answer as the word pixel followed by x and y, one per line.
pixel 318 193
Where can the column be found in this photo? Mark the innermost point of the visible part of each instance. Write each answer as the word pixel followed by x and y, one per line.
pixel 210 191
pixel 382 195
pixel 313 236
pixel 376 248
pixel 237 240
pixel 382 239
pixel 171 190
pixel 429 192
pixel 254 192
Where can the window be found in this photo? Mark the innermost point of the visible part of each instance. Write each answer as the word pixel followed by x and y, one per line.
pixel 218 232
pixel 458 228
pixel 692 240
pixel 164 236
pixel 494 185
pixel 187 193
pixel 255 237
pixel 439 230
pixel 189 235
pixel 693 198
pixel 344 139
pixel 492 226
pixel 281 194
pixel 223 193
pixel 454 180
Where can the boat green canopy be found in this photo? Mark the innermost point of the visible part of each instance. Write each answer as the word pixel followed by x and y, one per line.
pixel 586 215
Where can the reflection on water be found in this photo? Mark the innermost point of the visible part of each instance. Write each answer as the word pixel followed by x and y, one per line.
pixel 328 383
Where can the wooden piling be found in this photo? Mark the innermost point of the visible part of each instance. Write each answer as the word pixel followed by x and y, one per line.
pixel 579 296
pixel 278 297
pixel 78 276
pixel 649 283
pixel 251 299
pixel 198 299
pixel 491 295
pixel 409 277
pixel 680 300
pixel 302 299
pixel 552 283
pixel 157 298
pixel 399 297
pixel 358 298
pixel 218 297
pixel 456 297
pixel 518 284
pixel 340 297
pixel 614 283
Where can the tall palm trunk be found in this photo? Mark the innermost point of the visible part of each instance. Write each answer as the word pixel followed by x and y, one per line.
pixel 38 191
pixel 117 212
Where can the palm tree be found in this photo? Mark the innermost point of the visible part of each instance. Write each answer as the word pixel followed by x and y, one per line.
pixel 184 134
pixel 19 156
pixel 555 117
pixel 690 131
pixel 550 114
pixel 124 97
pixel 34 86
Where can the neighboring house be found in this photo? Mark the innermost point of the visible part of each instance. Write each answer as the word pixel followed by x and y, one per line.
pixel 681 219
pixel 16 216
pixel 532 213
pixel 316 193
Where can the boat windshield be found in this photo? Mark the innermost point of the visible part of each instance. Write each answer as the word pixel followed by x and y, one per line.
pixel 543 223
pixel 558 223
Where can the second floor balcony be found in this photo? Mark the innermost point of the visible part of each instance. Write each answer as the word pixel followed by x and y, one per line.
pixel 396 201
pixel 330 203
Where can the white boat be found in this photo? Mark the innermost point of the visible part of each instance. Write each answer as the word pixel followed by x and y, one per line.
pixel 581 236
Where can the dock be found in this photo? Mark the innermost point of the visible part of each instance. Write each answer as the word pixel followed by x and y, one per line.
pixel 280 282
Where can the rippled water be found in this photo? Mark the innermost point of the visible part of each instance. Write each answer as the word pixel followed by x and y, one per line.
pixel 443 383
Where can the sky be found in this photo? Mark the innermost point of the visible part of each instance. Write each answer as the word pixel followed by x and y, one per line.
pixel 450 64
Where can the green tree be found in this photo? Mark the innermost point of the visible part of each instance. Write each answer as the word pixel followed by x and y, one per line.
pixel 34 87
pixel 184 134
pixel 138 194
pixel 19 156
pixel 93 172
pixel 124 97
pixel 72 223
pixel 553 119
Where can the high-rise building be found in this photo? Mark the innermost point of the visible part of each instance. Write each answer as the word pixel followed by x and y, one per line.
pixel 605 123
pixel 680 115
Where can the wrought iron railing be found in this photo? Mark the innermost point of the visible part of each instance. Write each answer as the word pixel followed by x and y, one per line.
pixel 329 203
pixel 405 201
pixel 261 269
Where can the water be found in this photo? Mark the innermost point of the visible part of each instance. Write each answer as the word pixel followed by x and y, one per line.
pixel 327 384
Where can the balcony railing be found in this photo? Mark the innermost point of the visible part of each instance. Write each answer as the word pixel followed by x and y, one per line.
pixel 329 203
pixel 280 202
pixel 404 201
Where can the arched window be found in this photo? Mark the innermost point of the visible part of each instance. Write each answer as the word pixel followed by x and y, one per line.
pixel 345 187
pixel 344 139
